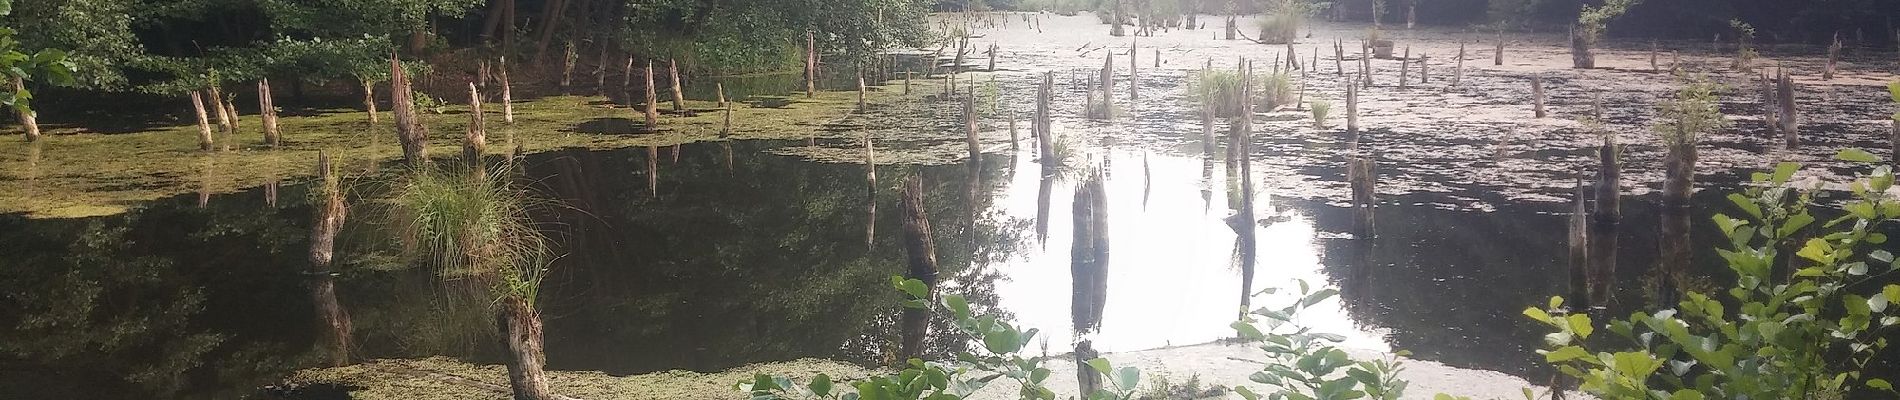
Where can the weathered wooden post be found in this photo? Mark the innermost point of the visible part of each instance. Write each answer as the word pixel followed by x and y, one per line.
pixel 1157 57
pixel 1013 138
pixel 204 126
pixel 1537 94
pixel 1603 222
pixel 369 99
pixel 1497 56
pixel 1405 67
pixel 507 95
pixel 1678 184
pixel 653 100
pixel 267 112
pixel 1352 108
pixel 860 90
pixel 726 130
pixel 1833 57
pixel 992 57
pixel 679 92
pixel 1339 58
pixel 1652 55
pixel 1458 74
pixel 1046 149
pixel 230 107
pixel 921 254
pixel 1134 75
pixel 409 131
pixel 1361 176
pixel 28 121
pixel 1789 116
pixel 329 216
pixel 721 88
pixel 907 74
pixel 969 127
pixel 476 141
pixel 811 64
pixel 1424 70
pixel 225 126
pixel 1579 246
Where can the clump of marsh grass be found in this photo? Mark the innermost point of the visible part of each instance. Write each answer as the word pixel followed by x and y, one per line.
pixel 1283 21
pixel 1320 109
pixel 470 226
pixel 1218 91
pixel 1278 91
pixel 1066 160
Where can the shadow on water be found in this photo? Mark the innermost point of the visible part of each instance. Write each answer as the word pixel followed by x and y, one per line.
pixel 762 263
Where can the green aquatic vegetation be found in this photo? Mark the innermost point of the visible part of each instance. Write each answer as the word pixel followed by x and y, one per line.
pixel 1217 91
pixel 1283 20
pixel 1804 326
pixel 1693 112
pixel 78 173
pixel 1320 108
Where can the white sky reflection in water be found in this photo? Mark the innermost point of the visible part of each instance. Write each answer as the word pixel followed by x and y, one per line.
pixel 1173 275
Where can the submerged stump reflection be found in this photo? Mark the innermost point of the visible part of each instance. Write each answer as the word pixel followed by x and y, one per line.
pixel 921 253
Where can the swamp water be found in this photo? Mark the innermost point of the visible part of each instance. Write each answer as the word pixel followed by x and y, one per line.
pixel 729 253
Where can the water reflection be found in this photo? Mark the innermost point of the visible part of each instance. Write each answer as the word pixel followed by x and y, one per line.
pixel 765 262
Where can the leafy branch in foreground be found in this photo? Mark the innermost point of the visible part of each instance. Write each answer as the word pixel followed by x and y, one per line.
pixel 1308 365
pixel 1803 329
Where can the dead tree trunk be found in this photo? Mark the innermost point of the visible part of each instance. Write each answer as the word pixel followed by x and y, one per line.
pixel 1360 174
pixel 1044 138
pixel 1405 69
pixel 811 64
pixel 409 131
pixel 1581 55
pixel 28 121
pixel 526 359
pixel 476 141
pixel 920 251
pixel 204 126
pixel 267 112
pixel 1678 184
pixel 567 66
pixel 860 90
pixel 969 127
pixel 330 214
pixel 653 171
pixel 1497 55
pixel 1339 58
pixel 1603 222
pixel 1088 254
pixel 507 95
pixel 626 76
pixel 1537 95
pixel 369 101
pixel 679 92
pixel 1652 55
pixel 1352 108
pixel 1833 57
pixel 1458 74
pixel 721 88
pixel 225 127
pixel 1134 76
pixel 1789 117
pixel 1424 68
pixel 653 100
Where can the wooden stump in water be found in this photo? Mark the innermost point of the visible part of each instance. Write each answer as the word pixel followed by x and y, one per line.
pixel 679 92
pixel 1042 125
pixel 329 215
pixel 1352 108
pixel 1603 222
pixel 527 360
pixel 507 97
pixel 1339 58
pixel 860 91
pixel 1458 74
pixel 409 129
pixel 721 88
pixel 992 57
pixel 1652 55
pixel 1088 253
pixel 1497 55
pixel 216 99
pixel 921 255
pixel 204 126
pixel 1833 57
pixel 1537 94
pixel 1424 73
pixel 267 112
pixel 1789 117
pixel 369 99
pixel 1013 138
pixel 726 129
pixel 1678 185
pixel 653 172
pixel 1134 77
pixel 475 143
pixel 907 74
pixel 1362 175
pixel 652 101
pixel 969 127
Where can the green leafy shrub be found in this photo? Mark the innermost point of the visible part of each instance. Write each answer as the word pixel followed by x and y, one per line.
pixel 1303 364
pixel 1799 327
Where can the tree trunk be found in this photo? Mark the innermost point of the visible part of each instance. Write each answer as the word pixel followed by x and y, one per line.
pixel 1579 241
pixel 267 112
pixel 920 251
pixel 653 100
pixel 369 100
pixel 1789 116
pixel 653 171
pixel 550 19
pixel 330 214
pixel 204 126
pixel 1603 223
pixel 409 130
pixel 568 57
pixel 1678 185
pixel 1115 27
pixel 1537 95
pixel 476 141
pixel 1581 55
pixel 1833 57
pixel 1497 55
pixel 811 64
pixel 28 121
pixel 225 126
pixel 507 94
pixel 679 92
pixel 526 359
pixel 1044 138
